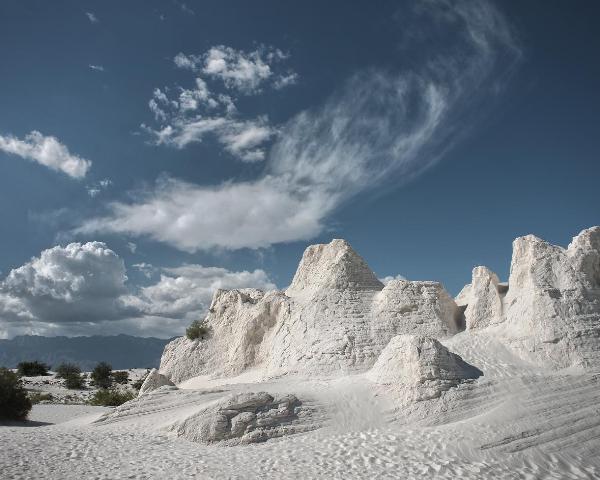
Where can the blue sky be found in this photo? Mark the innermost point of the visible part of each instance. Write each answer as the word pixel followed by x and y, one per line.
pixel 153 151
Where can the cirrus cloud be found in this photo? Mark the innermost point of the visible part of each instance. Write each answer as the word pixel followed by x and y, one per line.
pixel 380 128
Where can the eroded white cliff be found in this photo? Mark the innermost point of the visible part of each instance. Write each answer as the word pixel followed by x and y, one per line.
pixel 336 317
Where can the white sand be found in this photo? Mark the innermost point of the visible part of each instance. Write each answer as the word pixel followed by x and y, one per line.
pixel 518 421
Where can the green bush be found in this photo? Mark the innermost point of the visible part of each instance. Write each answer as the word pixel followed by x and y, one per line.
pixel 37 397
pixel 71 374
pixel 32 369
pixel 14 402
pixel 101 375
pixel 121 377
pixel 74 381
pixel 111 398
pixel 196 330
pixel 66 369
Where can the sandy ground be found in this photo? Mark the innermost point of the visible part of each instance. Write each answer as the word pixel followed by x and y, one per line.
pixel 517 421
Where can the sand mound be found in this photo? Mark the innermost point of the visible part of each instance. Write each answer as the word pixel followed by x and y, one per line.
pixel 421 367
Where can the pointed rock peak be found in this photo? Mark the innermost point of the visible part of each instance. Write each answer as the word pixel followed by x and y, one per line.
pixel 333 265
pixel 588 239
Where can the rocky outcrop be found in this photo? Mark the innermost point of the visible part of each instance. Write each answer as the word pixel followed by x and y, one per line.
pixel 247 418
pixel 549 312
pixel 553 303
pixel 420 367
pixel 484 305
pixel 336 316
pixel 238 321
pixel 153 381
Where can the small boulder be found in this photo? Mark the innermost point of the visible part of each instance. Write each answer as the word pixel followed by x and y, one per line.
pixel 153 381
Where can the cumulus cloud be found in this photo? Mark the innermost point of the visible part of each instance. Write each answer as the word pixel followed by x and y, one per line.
pixel 186 291
pixel 244 72
pixel 76 283
pixel 47 151
pixel 381 128
pixel 191 114
pixel 83 288
pixel 97 68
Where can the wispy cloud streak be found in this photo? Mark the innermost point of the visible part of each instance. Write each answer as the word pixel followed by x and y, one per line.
pixel 382 127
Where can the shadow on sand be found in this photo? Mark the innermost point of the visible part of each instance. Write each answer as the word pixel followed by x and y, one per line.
pixel 23 423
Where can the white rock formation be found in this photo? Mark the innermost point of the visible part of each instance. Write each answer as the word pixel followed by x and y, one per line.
pixel 336 316
pixel 420 367
pixel 550 310
pixel 153 381
pixel 553 301
pixel 246 418
pixel 333 266
pixel 483 300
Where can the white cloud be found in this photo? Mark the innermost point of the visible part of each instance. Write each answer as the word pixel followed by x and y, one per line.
pixel 199 111
pixel 96 189
pixel 230 216
pixel 76 283
pixel 132 247
pixel 380 128
pixel 82 289
pixel 286 80
pixel 244 72
pixel 190 62
pixel 92 17
pixel 47 151
pixel 389 278
pixel 243 139
pixel 186 291
pixel 97 68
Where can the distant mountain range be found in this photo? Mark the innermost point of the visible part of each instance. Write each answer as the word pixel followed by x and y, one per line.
pixel 121 351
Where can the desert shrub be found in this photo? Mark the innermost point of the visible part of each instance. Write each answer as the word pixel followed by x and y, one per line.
pixel 121 377
pixel 111 398
pixel 101 375
pixel 196 330
pixel 37 397
pixel 66 369
pixel 138 383
pixel 14 402
pixel 32 369
pixel 71 374
pixel 74 381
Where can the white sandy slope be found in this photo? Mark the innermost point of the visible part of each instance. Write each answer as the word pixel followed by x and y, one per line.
pixel 518 421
